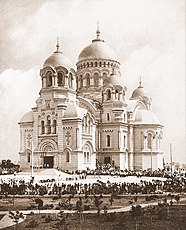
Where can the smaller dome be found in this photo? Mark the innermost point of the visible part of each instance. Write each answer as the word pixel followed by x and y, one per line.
pixel 27 117
pixel 139 92
pixel 146 117
pixel 57 59
pixel 73 111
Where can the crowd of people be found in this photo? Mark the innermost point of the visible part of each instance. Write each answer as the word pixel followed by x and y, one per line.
pixel 172 183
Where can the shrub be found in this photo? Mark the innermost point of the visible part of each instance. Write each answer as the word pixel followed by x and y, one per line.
pixel 32 224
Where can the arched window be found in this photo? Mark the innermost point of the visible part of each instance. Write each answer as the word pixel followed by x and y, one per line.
pixel 116 94
pixel 124 117
pixel 86 154
pixel 100 64
pixel 48 125
pixel 42 127
pixel 70 80
pixel 104 64
pixel 87 64
pixel 61 79
pixel 67 157
pixel 104 76
pixel 108 116
pixel 149 141
pixel 49 79
pixel 81 81
pixel 91 64
pixel 96 79
pixel 55 126
pixel 108 140
pixel 88 80
pixel 96 64
pixel 108 94
pixel 124 141
pixel 28 157
pixel 86 157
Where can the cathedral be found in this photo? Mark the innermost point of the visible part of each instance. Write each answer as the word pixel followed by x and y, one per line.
pixel 82 117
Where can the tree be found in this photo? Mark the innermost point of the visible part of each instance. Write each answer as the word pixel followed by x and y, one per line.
pixel 98 202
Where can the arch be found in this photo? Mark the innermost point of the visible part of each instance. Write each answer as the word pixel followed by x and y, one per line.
pixel 47 69
pixel 87 150
pixel 47 145
pixel 138 105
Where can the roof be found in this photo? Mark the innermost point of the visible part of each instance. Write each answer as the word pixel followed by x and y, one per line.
pixel 98 49
pixel 131 105
pixel 114 79
pixel 73 111
pixel 27 117
pixel 139 92
pixel 146 117
pixel 57 59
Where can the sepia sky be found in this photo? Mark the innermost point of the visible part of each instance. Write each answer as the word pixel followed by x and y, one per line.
pixel 148 37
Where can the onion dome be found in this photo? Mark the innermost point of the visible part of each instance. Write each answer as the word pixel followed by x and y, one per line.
pixel 139 92
pixel 98 49
pixel 57 59
pixel 27 117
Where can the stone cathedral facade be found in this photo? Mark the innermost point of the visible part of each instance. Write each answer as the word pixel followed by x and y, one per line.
pixel 82 117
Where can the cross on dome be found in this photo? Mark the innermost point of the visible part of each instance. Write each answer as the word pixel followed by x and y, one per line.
pixel 98 34
pixel 98 31
pixel 57 46
pixel 140 83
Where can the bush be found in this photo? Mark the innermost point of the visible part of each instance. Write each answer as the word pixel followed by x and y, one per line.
pixel 32 224
pixel 48 219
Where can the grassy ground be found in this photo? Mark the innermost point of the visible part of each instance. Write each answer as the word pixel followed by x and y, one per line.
pixel 175 220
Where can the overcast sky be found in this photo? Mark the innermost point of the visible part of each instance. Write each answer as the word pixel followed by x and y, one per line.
pixel 148 37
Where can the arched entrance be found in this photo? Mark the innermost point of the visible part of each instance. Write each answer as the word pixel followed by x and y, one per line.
pixel 48 162
pixel 47 148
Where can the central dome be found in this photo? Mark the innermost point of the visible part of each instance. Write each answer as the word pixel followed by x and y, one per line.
pixel 97 50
